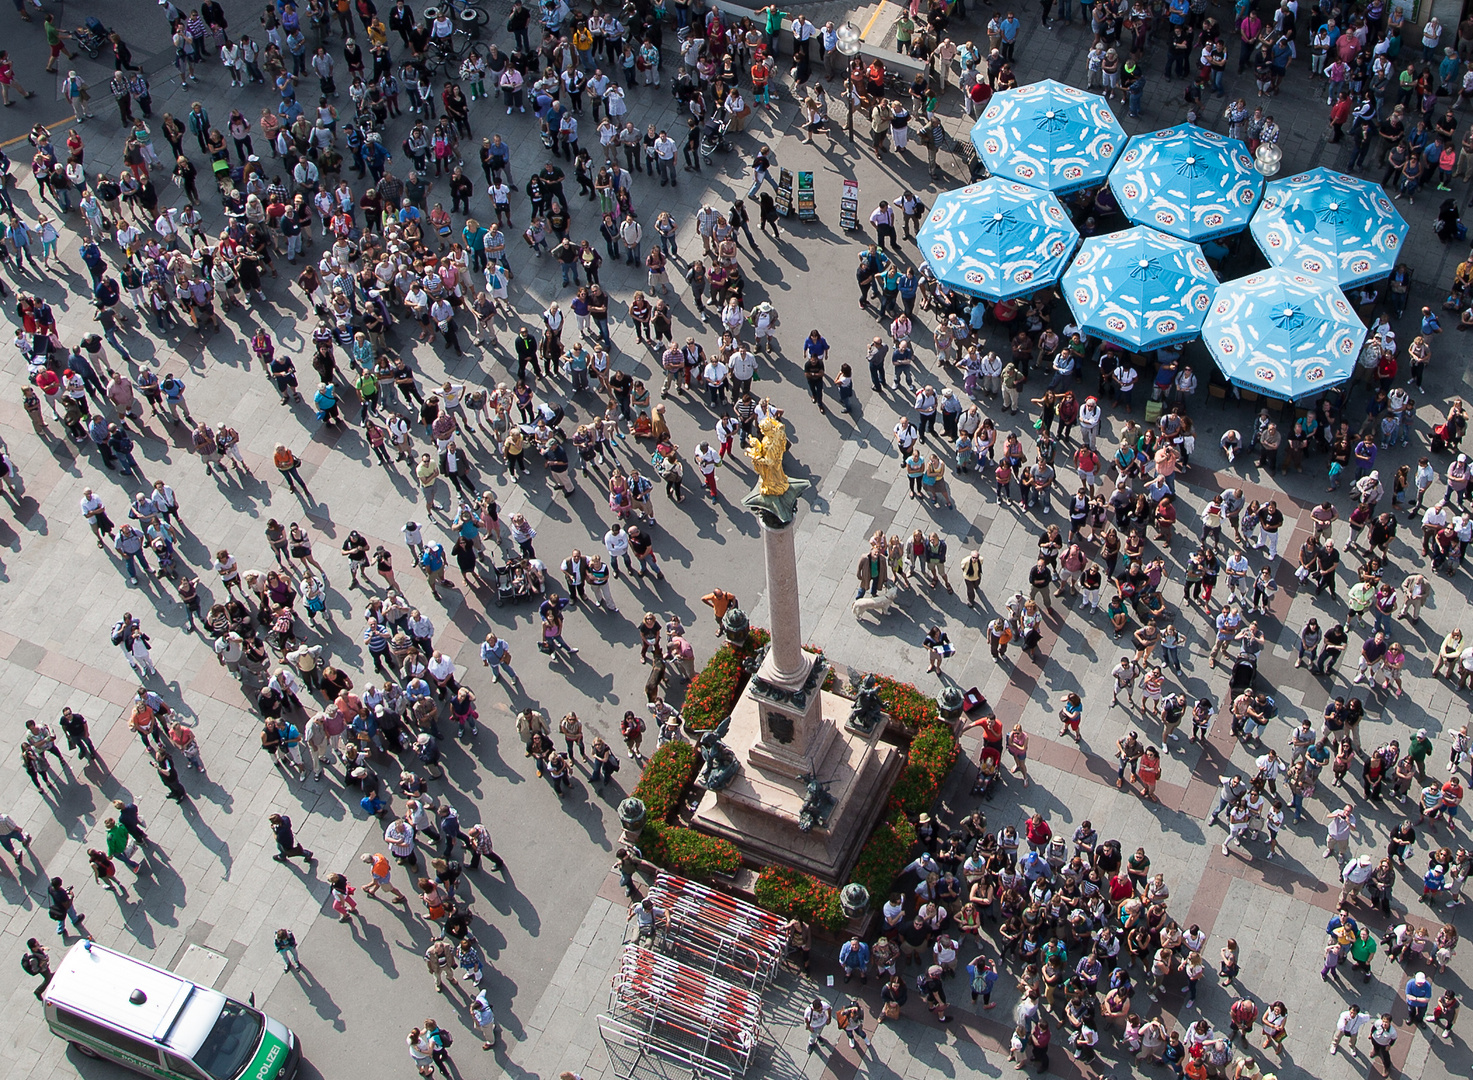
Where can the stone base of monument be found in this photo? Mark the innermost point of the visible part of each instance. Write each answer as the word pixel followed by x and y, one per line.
pixel 760 810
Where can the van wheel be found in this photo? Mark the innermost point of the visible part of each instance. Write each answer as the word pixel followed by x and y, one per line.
pixel 83 1048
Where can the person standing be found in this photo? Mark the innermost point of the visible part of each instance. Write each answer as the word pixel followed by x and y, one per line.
pixel 851 1022
pixel 1418 998
pixel 1349 1027
pixel 815 1018
pixel 169 775
pixel 1383 1036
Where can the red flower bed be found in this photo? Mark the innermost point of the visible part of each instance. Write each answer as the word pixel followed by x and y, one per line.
pixel 712 693
pixel 932 753
pixel 785 891
pixel 668 775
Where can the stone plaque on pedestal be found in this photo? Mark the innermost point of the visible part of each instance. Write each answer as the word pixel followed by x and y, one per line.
pixel 794 735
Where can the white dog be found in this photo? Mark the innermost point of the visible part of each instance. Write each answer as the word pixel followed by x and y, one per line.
pixel 879 604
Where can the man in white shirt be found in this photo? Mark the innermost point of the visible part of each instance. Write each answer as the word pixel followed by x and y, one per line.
pixel 715 375
pixel 1348 1027
pixel 665 159
pixel 96 515
pixel 631 232
pixel 815 1018
pixel 1237 572
pixel 803 32
pixel 616 543
pixel 1354 878
pixel 707 459
pixel 743 369
pixel 905 437
pixel 442 675
pixel 883 219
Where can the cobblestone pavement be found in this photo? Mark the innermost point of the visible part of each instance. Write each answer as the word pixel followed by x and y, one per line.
pixel 212 884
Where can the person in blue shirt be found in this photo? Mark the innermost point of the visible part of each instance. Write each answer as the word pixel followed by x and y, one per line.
pixel 1009 31
pixel 854 959
pixel 1419 997
pixel 432 562
pixel 908 283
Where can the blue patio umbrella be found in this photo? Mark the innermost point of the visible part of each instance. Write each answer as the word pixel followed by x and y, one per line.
pixel 1049 136
pixel 997 240
pixel 1188 182
pixel 1285 334
pixel 1139 289
pixel 1326 223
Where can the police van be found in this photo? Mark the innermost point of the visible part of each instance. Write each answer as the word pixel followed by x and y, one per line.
pixel 109 1005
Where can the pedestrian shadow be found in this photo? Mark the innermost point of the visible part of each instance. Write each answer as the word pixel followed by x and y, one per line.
pixel 321 999
pixel 578 804
pixel 207 836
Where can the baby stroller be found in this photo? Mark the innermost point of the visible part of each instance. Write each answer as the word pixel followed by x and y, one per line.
pixel 549 411
pixel 987 776
pixel 713 137
pixel 1245 670
pixel 516 581
pixel 92 37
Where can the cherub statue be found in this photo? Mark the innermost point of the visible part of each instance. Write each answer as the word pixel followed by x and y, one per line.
pixel 721 763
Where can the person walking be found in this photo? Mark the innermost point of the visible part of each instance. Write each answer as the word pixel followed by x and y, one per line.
pixel 37 961
pixel 287 845
pixel 380 867
pixel 62 908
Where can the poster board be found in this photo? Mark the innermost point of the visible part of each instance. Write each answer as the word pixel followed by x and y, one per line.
pixel 849 206
pixel 807 205
pixel 784 192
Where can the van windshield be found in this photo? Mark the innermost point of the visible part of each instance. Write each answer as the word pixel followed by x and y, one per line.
pixel 231 1042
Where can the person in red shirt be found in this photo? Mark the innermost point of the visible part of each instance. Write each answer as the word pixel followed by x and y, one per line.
pixel 1340 115
pixel 1038 832
pixel 49 383
pixel 1241 1017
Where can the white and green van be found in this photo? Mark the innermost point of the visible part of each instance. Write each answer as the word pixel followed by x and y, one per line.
pixel 109 1005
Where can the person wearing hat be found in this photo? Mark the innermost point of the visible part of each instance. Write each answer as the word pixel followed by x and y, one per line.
pixel 1418 998
pixel 1134 81
pixel 1354 877
pixel 1418 750
pixel 1457 480
pixel 933 992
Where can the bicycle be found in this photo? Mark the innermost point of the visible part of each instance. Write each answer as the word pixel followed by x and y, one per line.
pixel 450 51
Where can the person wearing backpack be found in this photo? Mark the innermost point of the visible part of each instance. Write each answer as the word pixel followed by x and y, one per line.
pixel 37 961
pixel 285 944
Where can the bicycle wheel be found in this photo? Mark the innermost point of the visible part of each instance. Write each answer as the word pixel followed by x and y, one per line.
pixel 444 56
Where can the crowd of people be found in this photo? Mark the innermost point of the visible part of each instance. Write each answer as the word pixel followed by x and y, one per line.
pixel 384 260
